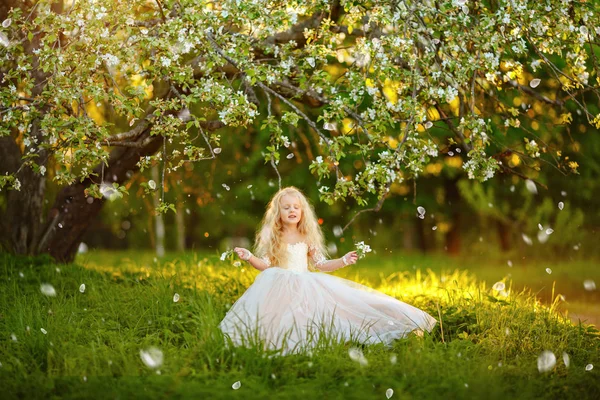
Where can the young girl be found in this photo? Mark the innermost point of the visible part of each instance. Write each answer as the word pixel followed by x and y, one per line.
pixel 288 307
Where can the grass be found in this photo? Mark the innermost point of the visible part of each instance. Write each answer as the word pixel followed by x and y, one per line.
pixel 486 346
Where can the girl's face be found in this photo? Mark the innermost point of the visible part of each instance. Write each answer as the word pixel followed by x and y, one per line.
pixel 290 209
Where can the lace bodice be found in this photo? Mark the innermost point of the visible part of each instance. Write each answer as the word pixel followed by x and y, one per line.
pixel 297 259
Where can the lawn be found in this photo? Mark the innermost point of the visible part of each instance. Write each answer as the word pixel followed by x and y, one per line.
pixel 87 342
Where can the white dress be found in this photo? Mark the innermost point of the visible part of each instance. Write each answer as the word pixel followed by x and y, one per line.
pixel 288 308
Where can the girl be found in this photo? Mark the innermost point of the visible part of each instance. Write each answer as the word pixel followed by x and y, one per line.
pixel 288 307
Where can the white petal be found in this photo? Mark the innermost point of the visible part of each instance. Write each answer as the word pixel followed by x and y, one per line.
pixel 531 186
pixel 48 290
pixel 546 361
pixel 176 297
pixel 535 82
pixel 589 285
pixel 389 393
pixel 236 385
pixel 82 287
pixel 152 357
pixel 4 40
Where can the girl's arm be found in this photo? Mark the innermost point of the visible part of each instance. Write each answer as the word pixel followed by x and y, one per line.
pixel 256 262
pixel 325 265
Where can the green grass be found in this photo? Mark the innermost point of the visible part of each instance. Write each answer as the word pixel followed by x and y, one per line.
pixel 486 346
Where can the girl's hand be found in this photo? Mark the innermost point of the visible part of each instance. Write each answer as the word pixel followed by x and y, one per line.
pixel 350 258
pixel 243 253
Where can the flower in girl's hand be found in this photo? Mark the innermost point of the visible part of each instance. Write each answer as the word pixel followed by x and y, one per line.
pixel 362 249
pixel 226 254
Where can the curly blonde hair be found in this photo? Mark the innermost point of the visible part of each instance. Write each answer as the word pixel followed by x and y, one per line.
pixel 269 242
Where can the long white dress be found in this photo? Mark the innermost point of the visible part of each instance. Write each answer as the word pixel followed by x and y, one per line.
pixel 288 308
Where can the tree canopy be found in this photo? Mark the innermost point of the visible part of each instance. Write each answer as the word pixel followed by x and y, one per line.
pixel 380 89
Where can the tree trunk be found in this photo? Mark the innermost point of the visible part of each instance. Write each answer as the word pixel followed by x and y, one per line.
pixel 180 222
pixel 22 222
pixel 453 201
pixel 503 235
pixel 72 212
pixel 159 225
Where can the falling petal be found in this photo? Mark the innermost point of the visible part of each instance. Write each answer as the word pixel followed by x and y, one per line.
pixel 561 205
pixel 499 286
pixel 531 186
pixel 563 193
pixel 589 285
pixel 217 150
pixel 393 359
pixel 329 126
pixel 535 82
pixel 82 287
pixel 389 393
pixel 290 156
pixel 549 231
pixel 48 290
pixel 428 125
pixel 152 184
pixel 175 297
pixel 337 231
pixel 433 228
pixel 226 187
pixel 421 210
pixel 540 227
pixel 357 355
pixel 44 331
pixel 6 23
pixel 83 248
pixel 458 150
pixel 13 337
pixel 510 264
pixel 589 367
pixel 236 385
pixel 527 239
pixel 549 271
pixel 566 359
pixel 450 153
pixel 152 357
pixel 4 40
pixel 542 237
pixel 546 361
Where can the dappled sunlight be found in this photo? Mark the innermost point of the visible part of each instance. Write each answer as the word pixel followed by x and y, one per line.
pixel 439 293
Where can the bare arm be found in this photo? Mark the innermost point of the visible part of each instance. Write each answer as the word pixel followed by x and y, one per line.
pixel 322 264
pixel 256 262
